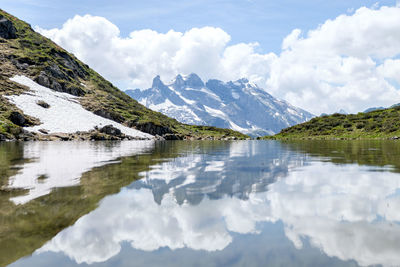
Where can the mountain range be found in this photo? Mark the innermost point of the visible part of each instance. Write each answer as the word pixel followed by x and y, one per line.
pixel 240 105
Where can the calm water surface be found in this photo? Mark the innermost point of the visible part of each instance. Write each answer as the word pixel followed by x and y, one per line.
pixel 243 203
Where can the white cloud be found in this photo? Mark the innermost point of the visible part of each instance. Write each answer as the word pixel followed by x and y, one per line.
pixel 337 65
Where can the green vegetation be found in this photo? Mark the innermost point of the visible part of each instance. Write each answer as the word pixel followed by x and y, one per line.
pixel 379 124
pixel 31 54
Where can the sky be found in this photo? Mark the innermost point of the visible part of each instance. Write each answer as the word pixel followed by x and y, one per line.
pixel 322 56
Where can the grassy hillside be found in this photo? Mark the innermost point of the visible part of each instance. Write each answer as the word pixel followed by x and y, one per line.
pixel 37 57
pixel 379 124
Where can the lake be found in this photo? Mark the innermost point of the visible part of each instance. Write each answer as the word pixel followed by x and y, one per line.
pixel 205 203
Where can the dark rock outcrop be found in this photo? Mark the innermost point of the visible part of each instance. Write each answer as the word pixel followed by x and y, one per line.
pixel 74 70
pixel 109 115
pixel 25 135
pixel 7 29
pixel 46 80
pixel 172 137
pixel 55 72
pixel 19 119
pixel 150 128
pixel 43 80
pixel 111 130
pixel 43 104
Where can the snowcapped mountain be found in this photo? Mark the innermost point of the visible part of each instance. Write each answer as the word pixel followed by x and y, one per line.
pixel 239 105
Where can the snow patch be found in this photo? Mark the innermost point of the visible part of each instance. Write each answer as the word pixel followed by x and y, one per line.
pixel 236 127
pixel 65 114
pixel 177 112
pixel 215 112
pixel 187 101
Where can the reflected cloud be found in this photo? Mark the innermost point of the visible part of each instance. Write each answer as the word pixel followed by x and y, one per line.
pixel 61 164
pixel 148 226
pixel 347 211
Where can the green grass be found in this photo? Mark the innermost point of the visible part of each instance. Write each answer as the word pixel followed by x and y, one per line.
pixel 379 124
pixel 41 53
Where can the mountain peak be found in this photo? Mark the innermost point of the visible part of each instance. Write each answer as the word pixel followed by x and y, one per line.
pixel 243 80
pixel 193 80
pixel 179 82
pixel 157 83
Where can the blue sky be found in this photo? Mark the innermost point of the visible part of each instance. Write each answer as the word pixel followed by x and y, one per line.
pixel 266 22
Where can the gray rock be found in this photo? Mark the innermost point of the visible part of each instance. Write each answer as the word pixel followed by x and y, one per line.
pixel 47 79
pixel 109 115
pixel 150 128
pixel 55 72
pixel 56 86
pixel 18 119
pixel 20 65
pixel 7 29
pixel 71 64
pixel 172 137
pixel 43 131
pixel 26 136
pixel 43 104
pixel 111 130
pixel 43 80
pixel 73 90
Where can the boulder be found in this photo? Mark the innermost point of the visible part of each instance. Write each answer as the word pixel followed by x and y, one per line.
pixel 7 29
pixel 43 80
pixel 18 119
pixel 43 131
pixel 111 130
pixel 43 104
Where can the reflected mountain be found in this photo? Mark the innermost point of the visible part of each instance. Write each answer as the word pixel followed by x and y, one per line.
pixel 236 169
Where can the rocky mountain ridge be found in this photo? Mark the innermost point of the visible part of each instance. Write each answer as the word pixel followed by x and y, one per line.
pixel 239 105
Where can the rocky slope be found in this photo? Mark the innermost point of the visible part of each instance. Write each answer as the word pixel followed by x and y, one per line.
pixel 25 53
pixel 240 105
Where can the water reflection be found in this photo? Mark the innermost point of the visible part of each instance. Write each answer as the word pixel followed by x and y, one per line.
pixel 245 203
pixel 61 164
pixel 236 169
